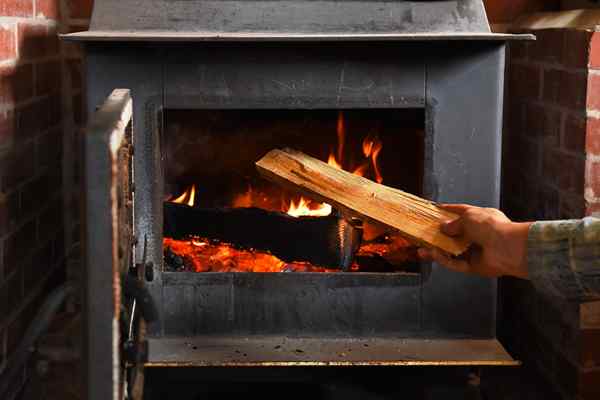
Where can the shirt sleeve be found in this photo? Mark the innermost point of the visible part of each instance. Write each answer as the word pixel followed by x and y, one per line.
pixel 564 258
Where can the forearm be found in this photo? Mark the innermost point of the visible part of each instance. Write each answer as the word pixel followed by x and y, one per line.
pixel 563 258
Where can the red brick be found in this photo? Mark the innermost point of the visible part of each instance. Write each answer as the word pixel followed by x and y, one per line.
pixel 9 212
pixel 36 41
pixel 589 384
pixel 18 246
pixel 32 274
pixel 15 333
pixel 51 220
pixel 16 8
pixel 49 150
pixel 48 76
pixel 595 50
pixel 572 206
pixel 2 347
pixel 16 166
pixel 548 46
pixel 593 209
pixel 592 144
pixel 524 81
pixel 548 206
pixel 564 170
pixel 593 92
pixel 16 83
pixel 552 85
pixel 7 43
pixel 573 90
pixel 576 52
pixel 45 186
pixel 590 347
pixel 48 8
pixel 567 375
pixel 28 120
pixel 544 123
pixel 12 293
pixel 80 8
pixel 571 177
pixel 75 70
pixel 7 129
pixel 519 50
pixel 526 156
pixel 38 116
pixel 78 110
pixel 593 178
pixel 574 135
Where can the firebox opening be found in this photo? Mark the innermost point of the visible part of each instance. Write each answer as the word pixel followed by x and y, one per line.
pixel 221 216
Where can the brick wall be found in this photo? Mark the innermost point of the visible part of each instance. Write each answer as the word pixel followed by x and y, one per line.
pixel 40 92
pixel 551 170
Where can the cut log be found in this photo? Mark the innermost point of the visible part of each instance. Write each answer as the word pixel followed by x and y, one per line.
pixel 323 241
pixel 415 218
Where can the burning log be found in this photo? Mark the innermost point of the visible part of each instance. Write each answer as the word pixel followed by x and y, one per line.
pixel 328 241
pixel 415 218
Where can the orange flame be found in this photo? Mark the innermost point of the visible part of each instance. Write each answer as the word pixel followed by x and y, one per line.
pixel 188 197
pixel 307 208
pixel 333 162
pixel 371 148
pixel 341 135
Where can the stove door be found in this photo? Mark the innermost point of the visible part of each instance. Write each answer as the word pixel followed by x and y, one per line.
pixel 110 320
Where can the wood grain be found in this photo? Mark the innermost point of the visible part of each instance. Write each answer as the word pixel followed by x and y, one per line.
pixel 415 218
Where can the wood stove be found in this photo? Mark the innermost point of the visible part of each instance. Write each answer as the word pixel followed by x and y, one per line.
pixel 220 77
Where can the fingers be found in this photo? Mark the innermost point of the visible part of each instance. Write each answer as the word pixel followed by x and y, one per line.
pixel 453 228
pixel 455 208
pixel 447 261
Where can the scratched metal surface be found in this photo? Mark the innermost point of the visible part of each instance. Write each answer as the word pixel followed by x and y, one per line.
pixel 292 16
pixel 281 351
pixel 295 76
pixel 298 304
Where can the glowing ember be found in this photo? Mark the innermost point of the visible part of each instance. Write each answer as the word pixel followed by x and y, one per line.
pixel 188 197
pixel 204 255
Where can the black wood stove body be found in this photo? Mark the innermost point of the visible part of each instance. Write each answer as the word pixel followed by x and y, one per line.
pixel 436 56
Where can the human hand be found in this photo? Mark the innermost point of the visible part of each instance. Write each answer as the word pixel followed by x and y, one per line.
pixel 499 245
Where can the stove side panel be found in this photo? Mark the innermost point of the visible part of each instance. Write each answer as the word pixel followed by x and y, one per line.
pixel 465 84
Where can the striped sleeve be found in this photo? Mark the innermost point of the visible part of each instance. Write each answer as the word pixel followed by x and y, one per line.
pixel 564 258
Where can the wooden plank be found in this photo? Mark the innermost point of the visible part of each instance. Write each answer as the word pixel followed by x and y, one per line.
pixel 415 218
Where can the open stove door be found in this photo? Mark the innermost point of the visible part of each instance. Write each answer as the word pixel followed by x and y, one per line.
pixel 115 301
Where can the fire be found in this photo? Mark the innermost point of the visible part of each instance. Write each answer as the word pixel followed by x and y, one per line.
pixel 305 207
pixel 333 162
pixel 204 255
pixel 341 135
pixel 188 197
pixel 371 148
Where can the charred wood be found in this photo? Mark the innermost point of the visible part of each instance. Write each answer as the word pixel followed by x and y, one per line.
pixel 326 241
